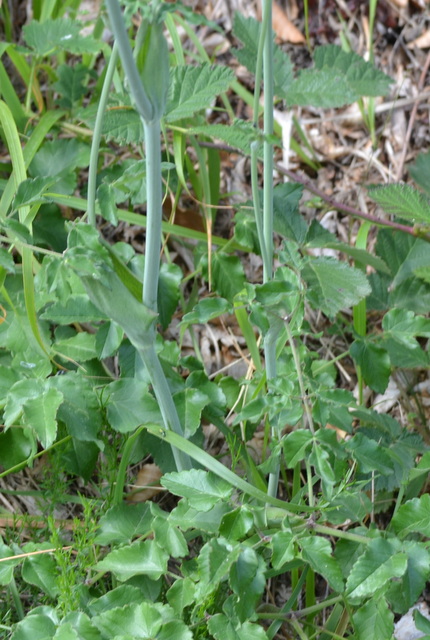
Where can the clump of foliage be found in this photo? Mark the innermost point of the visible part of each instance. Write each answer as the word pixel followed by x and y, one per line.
pixel 88 377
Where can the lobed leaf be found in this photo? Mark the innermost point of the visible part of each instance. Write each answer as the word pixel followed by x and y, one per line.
pixel 202 488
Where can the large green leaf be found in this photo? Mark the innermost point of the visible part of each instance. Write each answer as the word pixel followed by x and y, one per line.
pixel 317 552
pixel 361 75
pixel 222 628
pixel 169 538
pixel 61 33
pixel 168 292
pixel 140 621
pixel 240 134
pixel 80 347
pixel 193 88
pixel 40 570
pixel 373 621
pixel 138 558
pixel 215 560
pixel 80 409
pixel 334 285
pixel 321 88
pixel 189 405
pixel 228 277
pixel 202 488
pixel 403 594
pixel 123 522
pixel 413 517
pixel 403 201
pixel 375 568
pixel 207 309
pixel 283 548
pixel 71 84
pixel 40 414
pixel 247 579
pixel 78 308
pixel 34 627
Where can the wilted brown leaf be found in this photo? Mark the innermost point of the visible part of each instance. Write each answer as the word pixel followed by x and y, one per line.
pixel 148 478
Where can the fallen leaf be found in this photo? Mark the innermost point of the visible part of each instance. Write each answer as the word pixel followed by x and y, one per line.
pixel 422 42
pixel 284 29
pixel 402 4
pixel 148 478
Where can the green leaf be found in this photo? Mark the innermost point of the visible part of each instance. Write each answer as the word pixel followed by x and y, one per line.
pixel 170 538
pixel 40 570
pixel 61 33
pixel 283 548
pixel 379 564
pixel 207 309
pixel 223 629
pixel 247 30
pixel 76 309
pixel 189 405
pixel 181 594
pixel 370 455
pixel 40 414
pixel 236 524
pixel 228 277
pixel 247 580
pixel 374 363
pixel 413 517
pixel 138 558
pixel 296 444
pixel 168 292
pixel 34 627
pixel 334 285
pixel 287 220
pixel 7 566
pixel 403 594
pixel 215 559
pixel 240 134
pixel 403 201
pixel 373 621
pixel 321 88
pixel 71 84
pixel 31 191
pixel 58 159
pixel 361 75
pixel 130 405
pixel 420 170
pixel 80 347
pixel 142 620
pixel 108 339
pixel 16 445
pixel 317 552
pixel 202 488
pixel 118 597
pixel 193 88
pixel 124 522
pixel 80 410
pixel 403 324
pixel 421 622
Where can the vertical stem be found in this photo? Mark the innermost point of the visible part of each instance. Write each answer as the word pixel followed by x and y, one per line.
pixel 95 144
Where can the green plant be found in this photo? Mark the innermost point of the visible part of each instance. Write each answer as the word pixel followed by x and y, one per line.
pixel 95 377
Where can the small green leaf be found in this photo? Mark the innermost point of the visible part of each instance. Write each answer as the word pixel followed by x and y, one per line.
pixel 168 292
pixel 189 405
pixel 321 88
pixel 373 621
pixel 420 170
pixel 80 347
pixel 413 517
pixel 71 84
pixel 215 559
pixel 34 627
pixel 202 488
pixel 130 405
pixel 80 409
pixel 283 548
pixel 403 594
pixel 32 191
pixel 379 564
pixel 123 522
pixel 223 629
pixel 228 277
pixel 40 570
pixel 374 363
pixel 78 308
pixel 142 620
pixel 181 594
pixel 296 444
pixel 334 285
pixel 169 538
pixel 108 339
pixel 247 580
pixel 317 552
pixel 138 558
pixel 207 309
pixel 236 524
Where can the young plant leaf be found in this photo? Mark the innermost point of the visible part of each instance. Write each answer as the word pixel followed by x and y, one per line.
pixel 317 552
pixel 373 621
pixel 202 489
pixel 374 363
pixel 124 522
pixel 138 558
pixel 413 517
pixel 61 33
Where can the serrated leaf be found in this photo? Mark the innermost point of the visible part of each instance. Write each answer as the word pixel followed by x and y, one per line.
pixel 403 594
pixel 228 277
pixel 283 548
pixel 61 33
pixel 240 134
pixel 123 522
pixel 108 339
pixel 77 308
pixel 379 564
pixel 247 30
pixel 287 220
pixel 373 621
pixel 31 191
pixel 202 488
pixel 169 538
pixel 413 517
pixel 404 324
pixel 361 75
pixel 236 524
pixel 334 285
pixel 222 628
pixel 215 559
pixel 139 558
pixel 321 88
pixel 80 347
pixel 403 201
pixel 80 409
pixel 71 84
pixel 317 552
pixel 296 445
pixel 192 89
pixel 207 309
pixel 374 363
